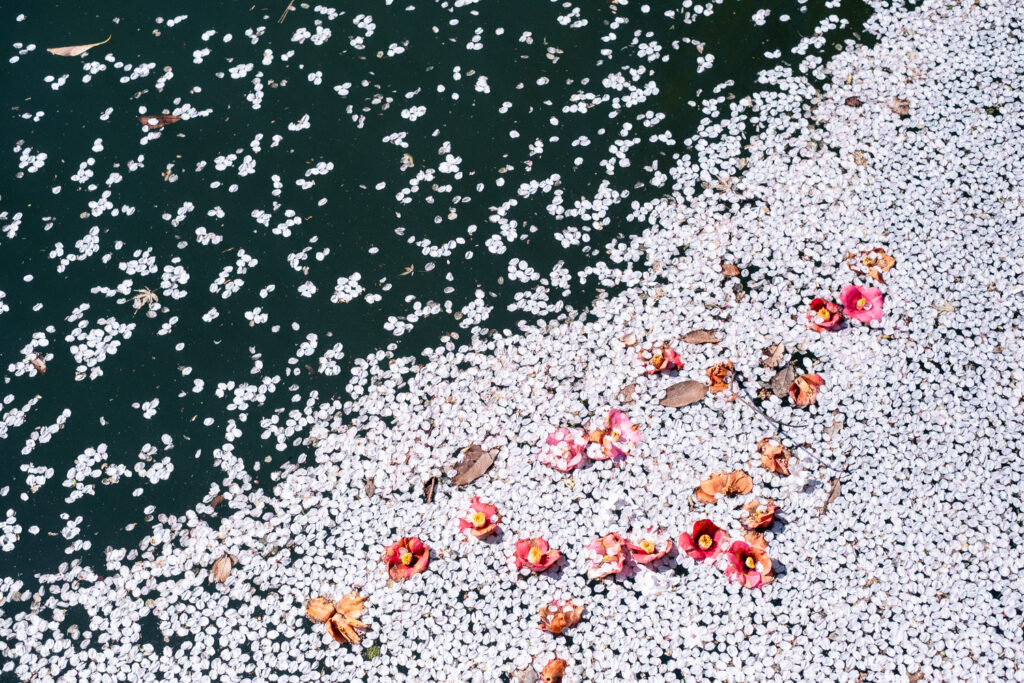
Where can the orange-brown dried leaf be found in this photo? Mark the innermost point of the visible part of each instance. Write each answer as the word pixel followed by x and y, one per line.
pixel 774 456
pixel 755 539
pixel 75 50
pixel 719 376
pixel 221 569
pixel 734 483
pixel 319 610
pixel 556 616
pixel 154 121
pixel 553 671
pixel 344 630
pixel 350 606
pixel 729 270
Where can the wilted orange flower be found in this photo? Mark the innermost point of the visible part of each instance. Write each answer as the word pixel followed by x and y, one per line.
pixel 774 456
pixel 875 260
pixel 557 616
pixel 733 483
pixel 759 515
pixel 554 671
pixel 755 539
pixel 342 626
pixel 804 389
pixel 719 376
pixel 319 609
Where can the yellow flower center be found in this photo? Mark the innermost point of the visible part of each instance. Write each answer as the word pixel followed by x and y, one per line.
pixel 862 303
pixel 657 360
pixel 647 545
pixel 479 519
pixel 705 541
pixel 407 558
pixel 534 555
pixel 607 558
pixel 750 562
pixel 824 315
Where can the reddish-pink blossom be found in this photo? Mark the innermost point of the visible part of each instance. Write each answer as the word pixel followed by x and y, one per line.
pixel 861 303
pixel 405 557
pixel 535 554
pixel 748 565
pixel 659 358
pixel 648 545
pixel 483 519
pixel 617 438
pixel 706 540
pixel 564 449
pixel 606 555
pixel 824 315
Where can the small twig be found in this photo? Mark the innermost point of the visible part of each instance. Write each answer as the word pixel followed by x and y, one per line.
pixel 285 12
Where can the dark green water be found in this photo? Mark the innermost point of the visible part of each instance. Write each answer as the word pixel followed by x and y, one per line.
pixel 355 218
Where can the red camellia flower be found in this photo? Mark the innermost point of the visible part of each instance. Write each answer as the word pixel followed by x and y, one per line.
pixel 824 315
pixel 804 389
pixel 535 554
pixel 747 565
pixel 648 545
pixel 861 303
pixel 406 557
pixel 483 519
pixel 707 540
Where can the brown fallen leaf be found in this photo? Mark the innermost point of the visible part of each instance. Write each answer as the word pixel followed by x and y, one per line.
pixel 735 483
pixel 719 376
pixel 915 677
pixel 838 422
pixel 773 356
pixel 319 610
pixel 554 671
pixel 154 121
pixel 729 270
pixel 684 393
pixel 428 489
pixel 475 462
pixel 774 456
pixel 833 493
pixel 899 106
pixel 702 337
pixel 876 261
pixel 782 379
pixel 369 488
pixel 75 50
pixel 626 395
pixel 853 101
pixel 217 500
pixel 557 616
pixel 221 569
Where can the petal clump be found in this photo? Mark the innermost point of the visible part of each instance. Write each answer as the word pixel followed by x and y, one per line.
pixel 720 376
pixel 804 389
pixel 617 438
pixel 606 556
pixel 760 515
pixel 556 616
pixel 774 456
pixel 563 449
pixel 659 358
pixel 823 316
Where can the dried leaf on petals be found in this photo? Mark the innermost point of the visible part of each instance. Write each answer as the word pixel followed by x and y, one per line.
pixel 774 456
pixel 782 379
pixel 684 393
pixel 702 337
pixel 876 261
pixel 475 463
pixel 553 671
pixel 899 106
pixel 557 616
pixel 833 493
pixel 75 50
pixel 729 270
pixel 735 483
pixel 773 356
pixel 319 610
pixel 221 569
pixel 853 101
pixel 154 121
pixel 719 376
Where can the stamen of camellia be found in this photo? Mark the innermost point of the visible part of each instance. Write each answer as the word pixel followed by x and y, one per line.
pixel 824 315
pixel 750 562
pixel 647 545
pixel 534 555
pixel 407 558
pixel 479 519
pixel 705 541
pixel 657 360
pixel 863 304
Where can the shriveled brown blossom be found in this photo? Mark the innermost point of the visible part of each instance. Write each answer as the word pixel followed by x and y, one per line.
pixel 733 483
pixel 804 389
pixel 760 514
pixel 557 616
pixel 774 456
pixel 720 376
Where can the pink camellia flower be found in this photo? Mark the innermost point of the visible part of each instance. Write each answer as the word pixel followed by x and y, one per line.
pixel 706 540
pixel 648 545
pixel 659 358
pixel 748 565
pixel 564 449
pixel 606 555
pixel 824 315
pixel 405 557
pixel 861 303
pixel 617 438
pixel 483 519
pixel 535 554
